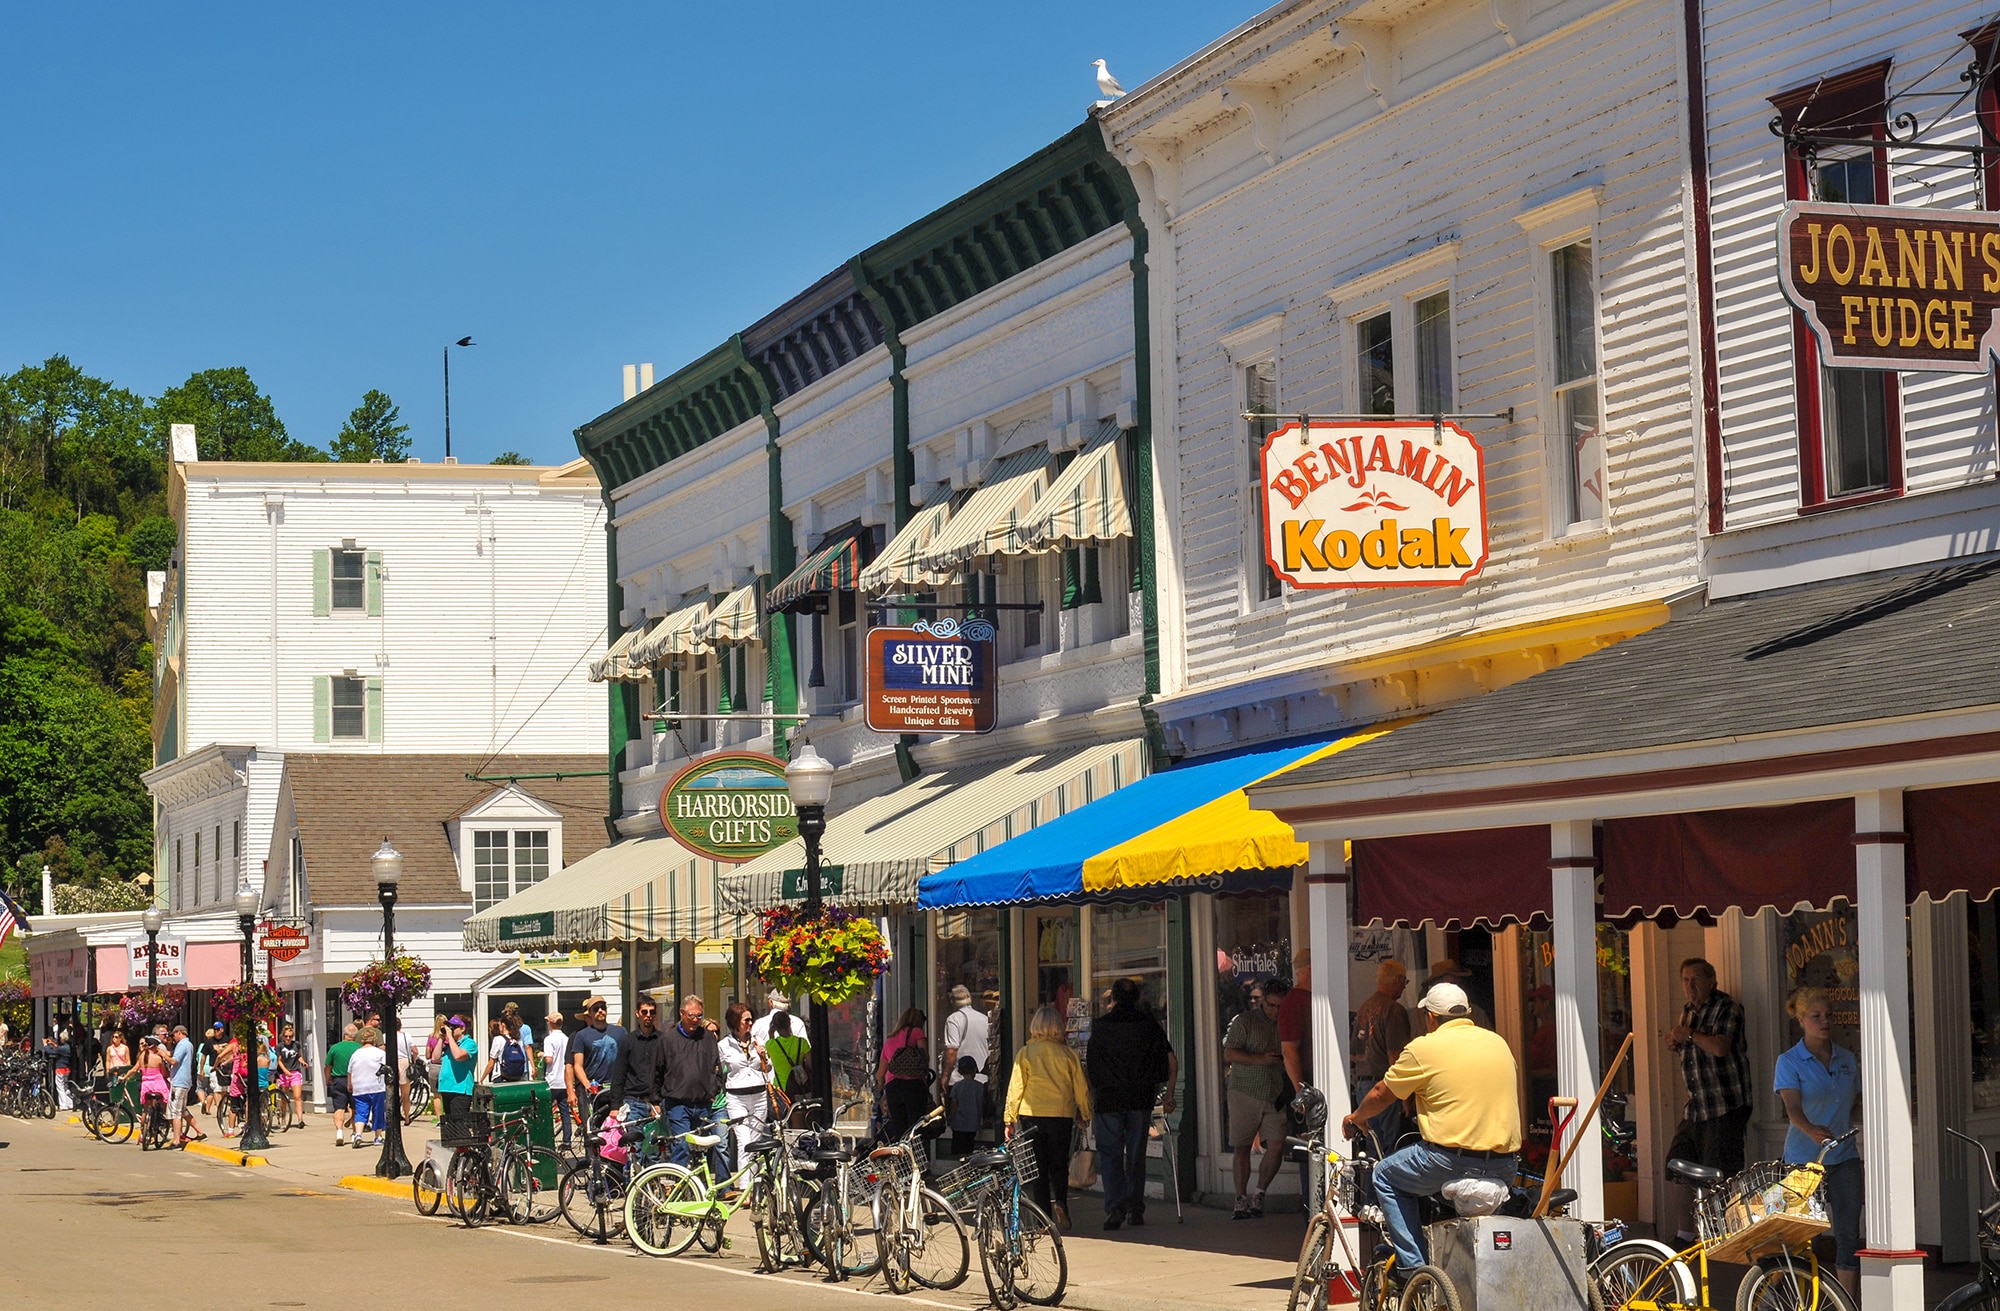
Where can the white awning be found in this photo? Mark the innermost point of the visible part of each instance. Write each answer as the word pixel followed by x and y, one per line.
pixel 677 634
pixel 896 568
pixel 615 665
pixel 734 622
pixel 989 523
pixel 1087 504
pixel 649 889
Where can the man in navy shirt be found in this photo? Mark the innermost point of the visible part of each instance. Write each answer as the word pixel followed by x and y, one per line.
pixel 593 1059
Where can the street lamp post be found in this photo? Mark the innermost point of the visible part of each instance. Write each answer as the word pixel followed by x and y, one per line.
pixel 387 863
pixel 809 780
pixel 152 919
pixel 462 341
pixel 253 1139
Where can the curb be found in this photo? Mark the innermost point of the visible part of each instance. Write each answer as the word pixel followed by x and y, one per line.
pixel 368 1183
pixel 224 1155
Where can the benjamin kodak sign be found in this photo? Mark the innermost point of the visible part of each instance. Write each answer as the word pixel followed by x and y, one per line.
pixel 730 807
pixel 1889 287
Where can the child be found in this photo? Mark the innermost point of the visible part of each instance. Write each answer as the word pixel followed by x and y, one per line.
pixel 968 1106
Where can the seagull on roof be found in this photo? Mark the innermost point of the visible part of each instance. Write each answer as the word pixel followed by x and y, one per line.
pixel 1107 84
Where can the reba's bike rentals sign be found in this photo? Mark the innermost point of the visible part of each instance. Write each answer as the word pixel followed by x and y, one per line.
pixel 1390 504
pixel 1890 287
pixel 730 807
pixel 936 676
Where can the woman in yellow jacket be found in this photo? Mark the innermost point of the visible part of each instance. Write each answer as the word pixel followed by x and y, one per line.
pixel 1046 1095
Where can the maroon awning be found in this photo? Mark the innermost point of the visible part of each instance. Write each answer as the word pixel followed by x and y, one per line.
pixel 1713 860
pixel 1954 841
pixel 1484 875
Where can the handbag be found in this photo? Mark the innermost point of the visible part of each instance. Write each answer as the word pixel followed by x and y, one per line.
pixel 1083 1164
pixel 910 1062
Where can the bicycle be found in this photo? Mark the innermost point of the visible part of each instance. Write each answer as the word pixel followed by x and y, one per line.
pixel 278 1110
pixel 591 1193
pixel 419 1098
pixel 1020 1253
pixel 1983 1293
pixel 495 1173
pixel 781 1194
pixel 921 1237
pixel 669 1207
pixel 1765 1217
pixel 154 1127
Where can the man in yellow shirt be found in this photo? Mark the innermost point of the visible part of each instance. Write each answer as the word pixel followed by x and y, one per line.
pixel 1465 1082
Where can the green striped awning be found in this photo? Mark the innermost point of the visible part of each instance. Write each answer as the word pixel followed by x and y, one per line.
pixel 615 665
pixel 896 568
pixel 835 567
pixel 1086 505
pixel 677 634
pixel 649 889
pixel 735 622
pixel 989 522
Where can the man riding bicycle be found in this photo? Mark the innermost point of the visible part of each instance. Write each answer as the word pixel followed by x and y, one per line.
pixel 1464 1081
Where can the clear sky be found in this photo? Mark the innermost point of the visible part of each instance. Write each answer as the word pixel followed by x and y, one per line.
pixel 328 194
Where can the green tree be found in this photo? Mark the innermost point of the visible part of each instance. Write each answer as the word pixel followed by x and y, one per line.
pixel 232 419
pixel 373 432
pixel 151 543
pixel 511 457
pixel 68 440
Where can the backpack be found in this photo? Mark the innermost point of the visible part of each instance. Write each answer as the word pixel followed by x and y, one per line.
pixel 513 1060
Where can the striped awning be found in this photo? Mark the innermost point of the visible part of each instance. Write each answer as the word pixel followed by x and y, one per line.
pixel 874 853
pixel 615 665
pixel 735 622
pixel 989 523
pixel 1086 504
pixel 649 889
pixel 897 568
pixel 835 567
pixel 677 634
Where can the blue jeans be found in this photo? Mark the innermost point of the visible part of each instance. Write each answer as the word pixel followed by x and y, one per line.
pixel 1843 1193
pixel 688 1117
pixel 1121 1157
pixel 1419 1171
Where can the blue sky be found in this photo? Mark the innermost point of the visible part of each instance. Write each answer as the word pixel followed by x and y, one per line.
pixel 326 195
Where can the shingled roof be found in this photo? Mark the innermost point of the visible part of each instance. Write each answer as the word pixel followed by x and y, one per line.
pixel 1859 649
pixel 346 804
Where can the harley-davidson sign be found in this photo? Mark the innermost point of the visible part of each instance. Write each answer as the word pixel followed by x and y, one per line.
pixel 1889 287
pixel 1391 504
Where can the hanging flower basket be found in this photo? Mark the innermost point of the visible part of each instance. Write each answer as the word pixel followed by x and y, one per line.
pixel 831 958
pixel 249 1003
pixel 145 1008
pixel 15 1001
pixel 382 985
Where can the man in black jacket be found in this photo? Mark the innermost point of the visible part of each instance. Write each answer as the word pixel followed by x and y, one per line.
pixel 690 1077
pixel 635 1074
pixel 1128 1059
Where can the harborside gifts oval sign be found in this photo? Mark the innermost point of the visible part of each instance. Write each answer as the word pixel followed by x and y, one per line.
pixel 1391 504
pixel 730 807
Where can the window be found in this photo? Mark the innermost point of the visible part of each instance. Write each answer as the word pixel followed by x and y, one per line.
pixel 848 611
pixel 350 710
pixel 218 847
pixel 1573 350
pixel 350 590
pixel 1850 441
pixel 177 855
pixel 1433 333
pixel 1031 596
pixel 236 839
pixel 1260 397
pixel 1375 365
pixel 197 850
pixel 504 863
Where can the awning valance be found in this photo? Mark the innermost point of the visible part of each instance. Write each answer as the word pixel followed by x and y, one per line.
pixel 735 622
pixel 677 634
pixel 897 568
pixel 1475 876
pixel 648 889
pixel 835 567
pixel 874 853
pixel 615 665
pixel 990 521
pixel 1086 505
pixel 1055 861
pixel 1706 862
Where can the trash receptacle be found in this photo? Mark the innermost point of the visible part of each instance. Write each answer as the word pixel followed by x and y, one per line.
pixel 531 1101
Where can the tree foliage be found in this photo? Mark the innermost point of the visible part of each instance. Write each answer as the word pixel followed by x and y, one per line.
pixel 373 431
pixel 511 457
pixel 232 419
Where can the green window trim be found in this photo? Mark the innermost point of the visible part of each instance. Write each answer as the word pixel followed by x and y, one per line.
pixel 374 703
pixel 323 583
pixel 322 707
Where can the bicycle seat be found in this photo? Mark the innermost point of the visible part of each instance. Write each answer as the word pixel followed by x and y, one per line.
pixel 762 1147
pixel 1561 1198
pixel 1693 1173
pixel 986 1160
pixel 834 1155
pixel 702 1140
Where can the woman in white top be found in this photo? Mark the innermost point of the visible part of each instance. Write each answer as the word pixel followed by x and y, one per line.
pixel 368 1084
pixel 745 1075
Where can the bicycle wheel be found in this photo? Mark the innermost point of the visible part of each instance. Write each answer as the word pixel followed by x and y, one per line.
pixel 653 1228
pixel 781 1240
pixel 514 1185
pixel 840 1229
pixel 277 1111
pixel 1429 1289
pixel 1041 1271
pixel 1309 1279
pixel 425 1190
pixel 468 1186
pixel 996 1256
pixel 1640 1268
pixel 936 1252
pixel 419 1098
pixel 157 1129
pixel 593 1202
pixel 544 1199
pixel 1788 1283
pixel 123 1123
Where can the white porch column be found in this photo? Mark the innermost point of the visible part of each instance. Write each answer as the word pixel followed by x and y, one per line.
pixel 1573 883
pixel 1892 1273
pixel 1326 890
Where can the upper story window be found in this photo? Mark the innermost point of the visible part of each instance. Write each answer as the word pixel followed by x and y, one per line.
pixel 1850 430
pixel 1574 390
pixel 1260 397
pixel 349 583
pixel 347 580
pixel 507 861
pixel 347 708
pixel 350 708
pixel 1402 356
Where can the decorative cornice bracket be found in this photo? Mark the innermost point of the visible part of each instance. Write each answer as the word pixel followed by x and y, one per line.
pixel 1376 44
pixel 1267 124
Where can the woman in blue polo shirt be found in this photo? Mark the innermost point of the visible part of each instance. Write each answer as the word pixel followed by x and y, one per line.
pixel 1820 1083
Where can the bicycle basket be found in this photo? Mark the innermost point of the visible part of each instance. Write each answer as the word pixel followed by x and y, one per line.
pixel 1769 1205
pixel 1021 1151
pixel 467 1130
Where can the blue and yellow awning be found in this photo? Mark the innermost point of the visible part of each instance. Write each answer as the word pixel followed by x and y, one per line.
pixel 1120 843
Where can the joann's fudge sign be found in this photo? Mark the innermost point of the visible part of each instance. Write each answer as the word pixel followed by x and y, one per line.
pixel 1889 287
pixel 937 676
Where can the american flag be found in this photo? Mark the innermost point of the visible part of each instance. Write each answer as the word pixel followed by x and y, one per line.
pixel 11 917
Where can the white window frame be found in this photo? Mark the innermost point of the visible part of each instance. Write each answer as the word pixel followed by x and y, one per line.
pixel 1394 289
pixel 511 833
pixel 1549 227
pixel 333 580
pixel 333 708
pixel 1247 346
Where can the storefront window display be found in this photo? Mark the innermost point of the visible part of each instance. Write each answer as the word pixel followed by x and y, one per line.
pixel 1822 951
pixel 1538 1040
pixel 1983 957
pixel 1052 938
pixel 1126 942
pixel 714 978
pixel 1252 943
pixel 968 955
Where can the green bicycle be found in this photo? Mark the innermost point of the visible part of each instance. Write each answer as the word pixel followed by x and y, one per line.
pixel 669 1208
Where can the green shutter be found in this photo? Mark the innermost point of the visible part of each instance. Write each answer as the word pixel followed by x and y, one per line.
pixel 723 706
pixel 374 583
pixel 323 583
pixel 1072 579
pixel 322 703
pixel 1093 583
pixel 374 710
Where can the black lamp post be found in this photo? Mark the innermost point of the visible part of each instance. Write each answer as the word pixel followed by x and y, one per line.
pixel 809 779
pixel 462 341
pixel 152 920
pixel 253 1139
pixel 387 863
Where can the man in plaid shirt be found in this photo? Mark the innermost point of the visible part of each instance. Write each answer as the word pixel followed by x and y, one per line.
pixel 1716 1064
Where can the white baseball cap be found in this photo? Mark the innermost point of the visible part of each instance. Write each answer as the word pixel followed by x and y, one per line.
pixel 1447 999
